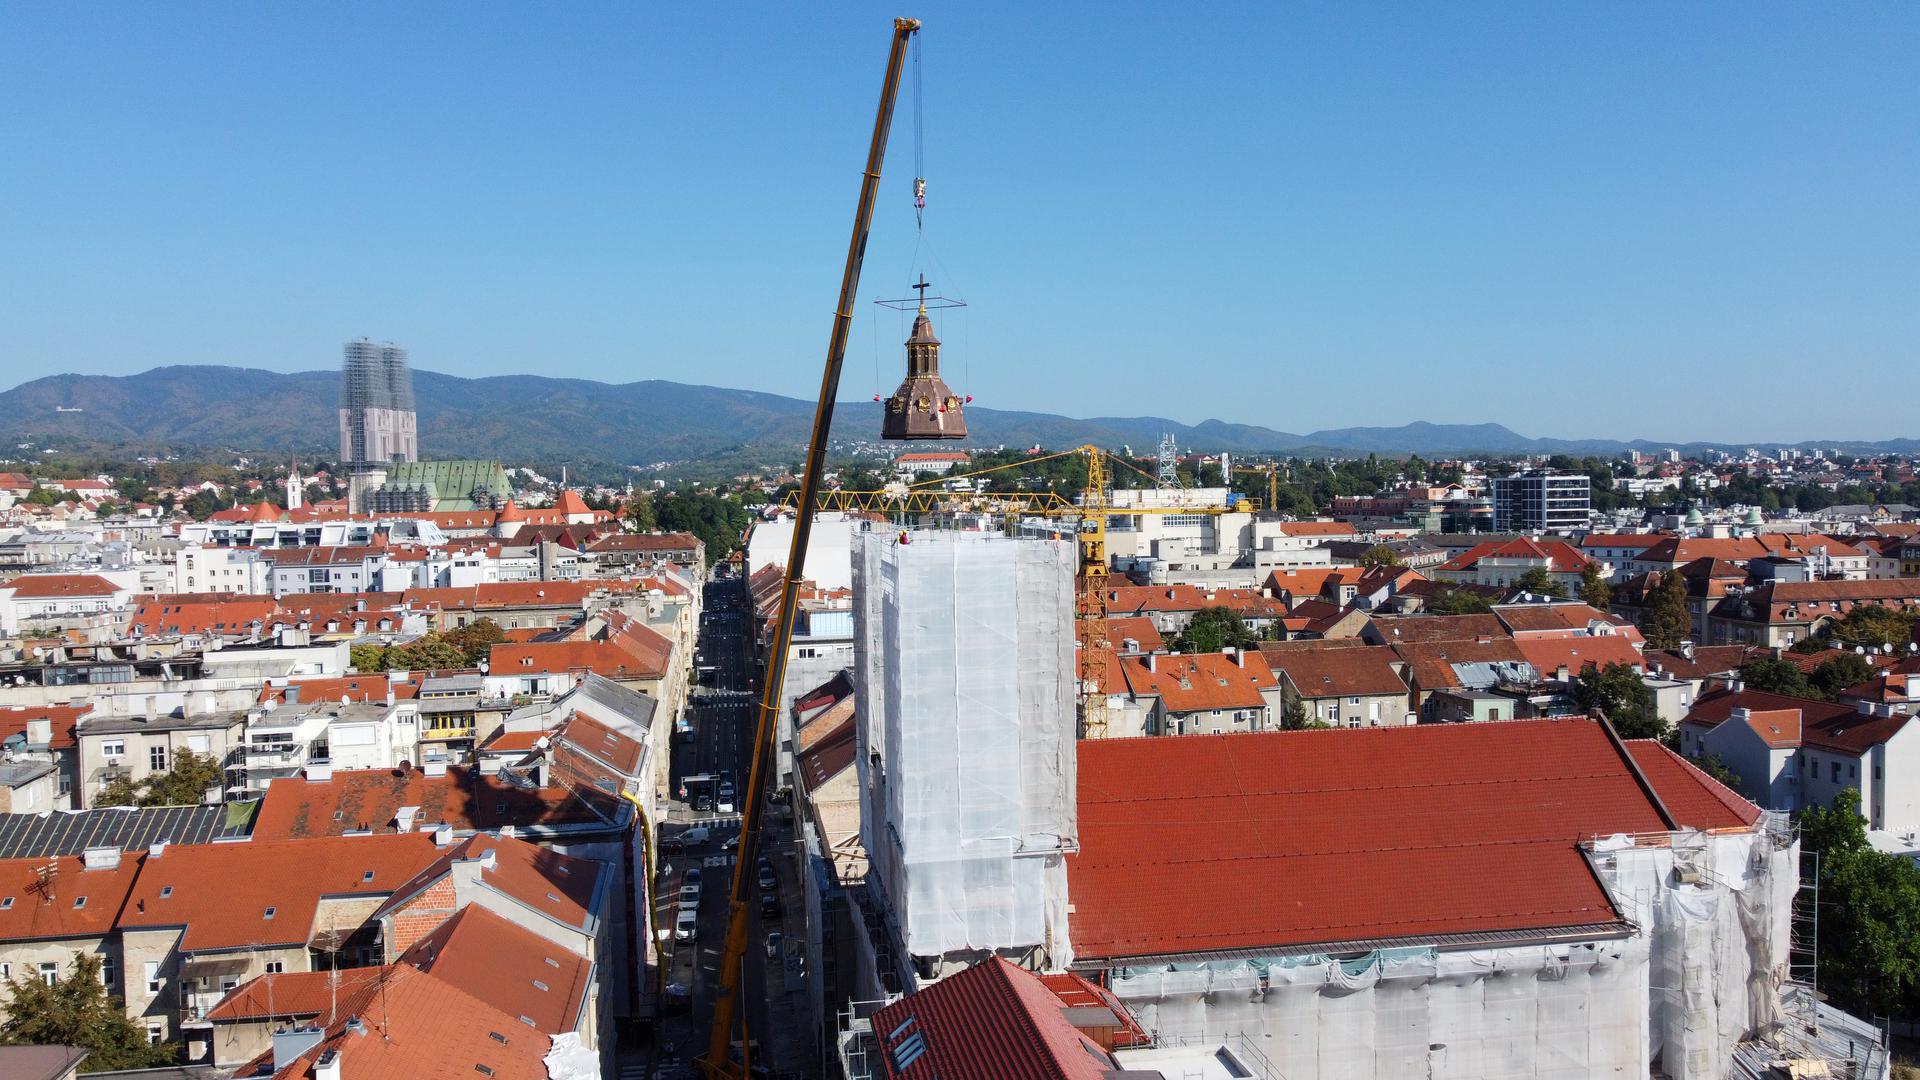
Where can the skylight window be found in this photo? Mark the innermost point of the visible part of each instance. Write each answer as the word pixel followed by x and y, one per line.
pixel 166 892
pixel 6 903
pixel 79 902
pixel 538 985
pixel 270 913
pixel 367 876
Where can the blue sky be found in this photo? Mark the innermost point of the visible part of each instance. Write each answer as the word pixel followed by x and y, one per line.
pixel 1679 222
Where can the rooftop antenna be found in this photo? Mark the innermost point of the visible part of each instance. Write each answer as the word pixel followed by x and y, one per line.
pixel 1169 461
pixel 43 879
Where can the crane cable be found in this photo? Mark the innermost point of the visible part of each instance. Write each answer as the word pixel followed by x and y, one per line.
pixel 919 145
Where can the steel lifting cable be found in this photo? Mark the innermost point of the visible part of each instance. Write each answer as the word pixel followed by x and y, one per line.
pixel 919 143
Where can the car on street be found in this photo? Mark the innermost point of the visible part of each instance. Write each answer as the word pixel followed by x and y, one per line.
pixel 774 941
pixel 691 877
pixel 686 926
pixel 770 905
pixel 685 838
pixel 769 881
pixel 726 799
pixel 690 897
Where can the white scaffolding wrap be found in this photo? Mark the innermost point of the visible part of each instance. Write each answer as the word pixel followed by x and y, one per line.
pixel 1701 972
pixel 964 652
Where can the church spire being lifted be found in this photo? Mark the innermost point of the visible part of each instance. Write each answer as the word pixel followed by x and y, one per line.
pixel 924 407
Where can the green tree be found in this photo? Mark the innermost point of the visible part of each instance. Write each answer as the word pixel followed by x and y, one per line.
pixel 1380 555
pixel 1213 629
pixel 427 652
pixel 1296 718
pixel 1668 622
pixel 476 639
pixel 1624 696
pixel 1844 669
pixel 1459 602
pixel 368 657
pixel 1869 913
pixel 1539 582
pixel 185 784
pixel 1874 627
pixel 77 1011
pixel 1719 770
pixel 1777 677
pixel 1594 590
pixel 41 496
pixel 638 513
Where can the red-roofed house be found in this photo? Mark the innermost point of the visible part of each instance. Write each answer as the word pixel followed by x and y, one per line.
pixel 51 908
pixel 203 918
pixel 1791 753
pixel 1505 562
pixel 1348 686
pixel 57 596
pixel 1234 690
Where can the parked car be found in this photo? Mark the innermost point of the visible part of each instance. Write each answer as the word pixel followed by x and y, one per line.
pixel 769 881
pixel 726 798
pixel 770 905
pixel 774 941
pixel 686 926
pixel 691 877
pixel 690 897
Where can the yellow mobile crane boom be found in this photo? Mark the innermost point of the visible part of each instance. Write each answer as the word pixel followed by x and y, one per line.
pixel 718 1064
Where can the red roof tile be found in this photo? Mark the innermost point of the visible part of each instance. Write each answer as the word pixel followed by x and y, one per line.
pixel 424 1028
pixel 369 799
pixel 1203 681
pixel 61 718
pixel 221 894
pixel 561 887
pixel 1389 835
pixel 1690 795
pixel 1366 671
pixel 507 966
pixel 60 586
pixel 993 1021
pixel 293 994
pixel 73 902
pixel 1576 654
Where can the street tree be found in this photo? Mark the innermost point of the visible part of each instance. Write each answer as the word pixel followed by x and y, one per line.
pixel 1620 692
pixel 1668 622
pixel 185 784
pixel 1869 913
pixel 76 1010
pixel 1594 590
pixel 1777 677
pixel 1842 670
pixel 1539 582
pixel 1213 629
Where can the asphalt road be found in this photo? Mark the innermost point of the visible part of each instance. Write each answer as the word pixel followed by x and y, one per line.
pixel 722 715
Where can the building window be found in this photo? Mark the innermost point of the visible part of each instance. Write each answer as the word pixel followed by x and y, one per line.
pixel 106 971
pixel 113 748
pixel 156 1034
pixel 1836 772
pixel 275 967
pixel 153 976
pixel 49 973
pixel 157 758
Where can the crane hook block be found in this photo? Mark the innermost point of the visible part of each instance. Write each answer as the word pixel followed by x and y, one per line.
pixel 919 194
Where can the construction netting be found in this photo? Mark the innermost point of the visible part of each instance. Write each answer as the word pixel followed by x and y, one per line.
pixel 1699 971
pixel 1718 910
pixel 964 650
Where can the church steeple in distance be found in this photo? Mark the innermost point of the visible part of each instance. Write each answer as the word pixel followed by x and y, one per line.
pixel 923 407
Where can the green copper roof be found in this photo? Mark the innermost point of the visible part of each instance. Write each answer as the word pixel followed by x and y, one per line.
pixel 451 483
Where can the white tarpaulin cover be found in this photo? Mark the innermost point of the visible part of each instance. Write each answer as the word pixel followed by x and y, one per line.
pixel 1701 972
pixel 965 664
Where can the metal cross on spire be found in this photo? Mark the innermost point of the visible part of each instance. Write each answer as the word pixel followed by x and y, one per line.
pixel 922 286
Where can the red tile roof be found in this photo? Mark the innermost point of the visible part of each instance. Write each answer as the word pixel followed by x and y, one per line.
pixel 1390 833
pixel 1576 654
pixel 293 994
pixel 1395 629
pixel 507 966
pixel 561 887
pixel 221 893
pixel 229 614
pixel 30 911
pixel 62 718
pixel 1690 795
pixel 424 1028
pixel 1204 681
pixel 369 799
pixel 1823 724
pixel 60 586
pixel 1367 671
pixel 993 1021
pixel 1563 557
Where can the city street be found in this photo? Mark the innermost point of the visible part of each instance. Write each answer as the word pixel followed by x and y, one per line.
pixel 719 746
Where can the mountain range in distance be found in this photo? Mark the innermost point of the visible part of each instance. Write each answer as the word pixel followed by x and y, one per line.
pixel 536 419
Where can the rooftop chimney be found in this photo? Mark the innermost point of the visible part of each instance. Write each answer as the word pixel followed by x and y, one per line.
pixel 39 731
pixel 443 835
pixel 101 858
pixel 1153 663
